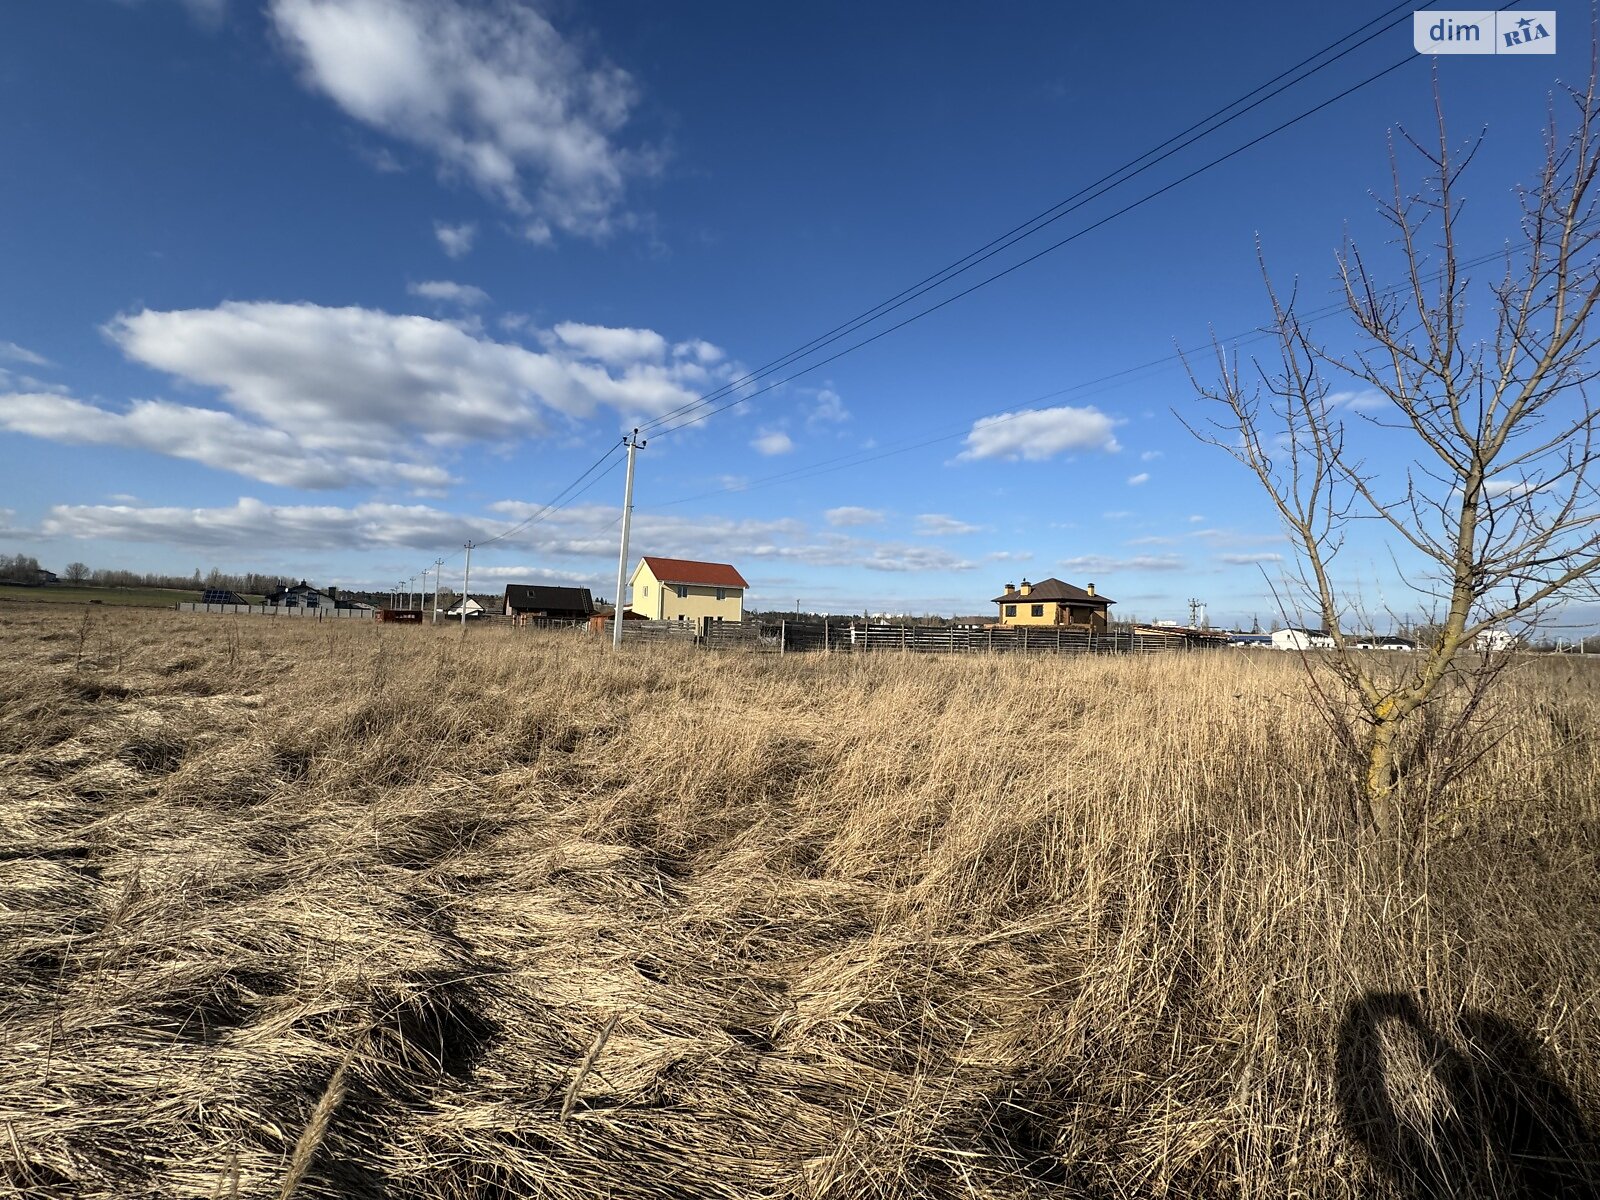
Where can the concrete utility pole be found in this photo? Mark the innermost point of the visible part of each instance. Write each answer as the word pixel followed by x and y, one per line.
pixel 423 598
pixel 438 573
pixel 466 578
pixel 633 444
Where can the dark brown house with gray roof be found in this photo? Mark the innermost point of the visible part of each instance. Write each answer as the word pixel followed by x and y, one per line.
pixel 1051 602
pixel 543 603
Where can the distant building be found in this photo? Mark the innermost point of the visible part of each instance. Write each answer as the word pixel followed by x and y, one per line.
pixel 1250 639
pixel 681 589
pixel 1051 602
pixel 475 611
pixel 1492 641
pixel 223 596
pixel 1298 638
pixel 302 595
pixel 539 602
pixel 1384 641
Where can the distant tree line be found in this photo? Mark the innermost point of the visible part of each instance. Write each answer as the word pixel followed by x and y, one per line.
pixel 25 568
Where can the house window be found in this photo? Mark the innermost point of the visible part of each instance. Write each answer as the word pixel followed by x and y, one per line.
pixel 647 589
pixel 1038 610
pixel 722 593
pixel 1011 610
pixel 682 589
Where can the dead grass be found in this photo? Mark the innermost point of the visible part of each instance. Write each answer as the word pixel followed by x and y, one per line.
pixel 338 910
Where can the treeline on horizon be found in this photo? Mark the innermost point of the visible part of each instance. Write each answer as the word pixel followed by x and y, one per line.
pixel 25 568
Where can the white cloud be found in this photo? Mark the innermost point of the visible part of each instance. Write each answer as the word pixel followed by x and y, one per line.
pixel 850 515
pixel 773 442
pixel 1038 434
pixel 1141 477
pixel 582 532
pixel 446 292
pixel 494 91
pixel 1509 487
pixel 702 352
pixel 1009 556
pixel 209 13
pixel 325 397
pixel 1139 562
pixel 612 346
pixel 21 354
pixel 1150 541
pixel 1150 455
pixel 11 531
pixel 1195 518
pixel 940 525
pixel 1364 400
pixel 827 409
pixel 1120 514
pixel 1233 537
pixel 455 239
pixel 1241 560
pixel 205 435
pixel 354 377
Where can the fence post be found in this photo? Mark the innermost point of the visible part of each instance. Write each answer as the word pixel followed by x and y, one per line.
pixel 824 635
pixel 783 636
pixel 1024 639
pixel 902 639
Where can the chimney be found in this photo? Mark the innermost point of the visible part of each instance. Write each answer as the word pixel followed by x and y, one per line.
pixel 1026 588
pixel 1011 589
pixel 1090 589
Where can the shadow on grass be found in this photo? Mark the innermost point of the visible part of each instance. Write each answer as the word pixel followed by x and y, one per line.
pixel 1473 1116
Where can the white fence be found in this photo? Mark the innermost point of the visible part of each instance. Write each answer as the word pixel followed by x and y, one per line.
pixel 271 610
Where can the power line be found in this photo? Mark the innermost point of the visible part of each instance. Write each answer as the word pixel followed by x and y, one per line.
pixel 1078 199
pixel 862 457
pixel 560 500
pixel 1054 246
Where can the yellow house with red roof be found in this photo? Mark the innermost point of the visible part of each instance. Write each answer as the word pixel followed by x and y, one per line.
pixel 681 589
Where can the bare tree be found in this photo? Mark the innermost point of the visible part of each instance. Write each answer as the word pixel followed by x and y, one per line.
pixel 77 572
pixel 1499 501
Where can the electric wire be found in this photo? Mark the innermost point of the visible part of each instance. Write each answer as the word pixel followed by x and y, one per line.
pixel 1034 257
pixel 995 417
pixel 1105 184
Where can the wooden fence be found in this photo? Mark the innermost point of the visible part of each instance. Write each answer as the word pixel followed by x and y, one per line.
pixel 858 637
pixel 282 610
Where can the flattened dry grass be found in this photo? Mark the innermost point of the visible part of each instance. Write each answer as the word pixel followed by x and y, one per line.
pixel 341 910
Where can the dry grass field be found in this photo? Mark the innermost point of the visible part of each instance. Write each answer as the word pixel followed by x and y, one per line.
pixel 343 910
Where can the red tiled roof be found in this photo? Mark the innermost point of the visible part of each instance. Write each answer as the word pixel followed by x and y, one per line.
pixel 686 570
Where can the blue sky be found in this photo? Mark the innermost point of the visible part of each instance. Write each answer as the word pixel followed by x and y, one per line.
pixel 326 287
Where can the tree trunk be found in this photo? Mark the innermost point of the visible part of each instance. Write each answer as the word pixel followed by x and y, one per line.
pixel 1382 776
